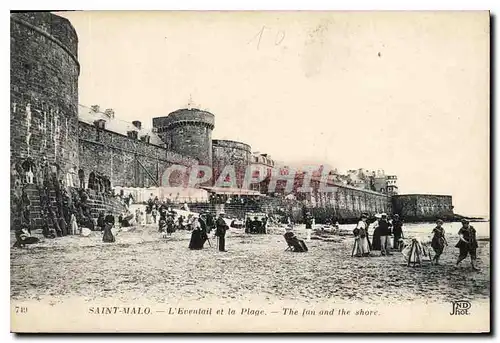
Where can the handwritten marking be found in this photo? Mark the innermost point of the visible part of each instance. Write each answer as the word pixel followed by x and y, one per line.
pixel 276 42
pixel 259 34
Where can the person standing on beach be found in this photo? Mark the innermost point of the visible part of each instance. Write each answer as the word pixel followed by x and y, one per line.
pixel 385 232
pixel 109 222
pixel 309 225
pixel 438 240
pixel 361 245
pixel 154 214
pixel 220 231
pixel 81 177
pixel 100 221
pixel 467 243
pixel 397 230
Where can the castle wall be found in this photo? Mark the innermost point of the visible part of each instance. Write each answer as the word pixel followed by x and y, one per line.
pixel 347 203
pixel 129 162
pixel 44 89
pixel 230 153
pixel 423 207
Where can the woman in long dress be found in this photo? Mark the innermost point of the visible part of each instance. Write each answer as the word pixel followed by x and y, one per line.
pixel 198 235
pixel 74 225
pixel 376 244
pixel 361 246
pixel 108 236
pixel 438 240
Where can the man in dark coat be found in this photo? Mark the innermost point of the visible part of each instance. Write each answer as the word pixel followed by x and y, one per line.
pixel 170 224
pixel 397 230
pixel 385 231
pixel 25 208
pixel 308 220
pixel 100 221
pixel 163 213
pixel 91 184
pixel 63 226
pixel 220 231
pixel 81 177
pixel 107 185
pixel 55 222
pixel 210 221
pixel 47 232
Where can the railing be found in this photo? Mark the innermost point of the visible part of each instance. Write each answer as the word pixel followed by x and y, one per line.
pixel 147 172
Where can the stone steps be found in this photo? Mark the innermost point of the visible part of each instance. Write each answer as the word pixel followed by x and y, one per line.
pixel 97 203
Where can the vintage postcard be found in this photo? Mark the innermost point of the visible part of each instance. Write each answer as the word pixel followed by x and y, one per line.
pixel 250 171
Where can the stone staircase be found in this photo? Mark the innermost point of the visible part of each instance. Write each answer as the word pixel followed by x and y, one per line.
pixel 97 203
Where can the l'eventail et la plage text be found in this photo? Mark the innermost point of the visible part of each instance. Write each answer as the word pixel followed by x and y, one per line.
pixel 221 311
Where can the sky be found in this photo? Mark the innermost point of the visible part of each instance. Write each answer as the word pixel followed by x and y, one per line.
pixel 406 92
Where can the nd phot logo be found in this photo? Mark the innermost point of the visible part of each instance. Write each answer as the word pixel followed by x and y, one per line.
pixel 460 308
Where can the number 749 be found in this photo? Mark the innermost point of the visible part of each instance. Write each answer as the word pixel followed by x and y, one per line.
pixel 21 309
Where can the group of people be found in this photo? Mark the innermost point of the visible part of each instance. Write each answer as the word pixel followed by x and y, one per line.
pixel 467 242
pixel 255 225
pixel 57 219
pixel 201 228
pixel 105 224
pixel 69 213
pixel 384 229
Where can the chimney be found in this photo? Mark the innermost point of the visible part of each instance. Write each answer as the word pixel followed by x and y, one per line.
pixel 132 134
pixel 137 124
pixel 100 124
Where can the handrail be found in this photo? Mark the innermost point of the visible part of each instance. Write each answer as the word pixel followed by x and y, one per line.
pixel 147 172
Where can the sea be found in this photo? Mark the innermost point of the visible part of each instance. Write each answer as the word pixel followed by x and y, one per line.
pixel 423 231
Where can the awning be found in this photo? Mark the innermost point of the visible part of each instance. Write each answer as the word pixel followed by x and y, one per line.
pixel 232 191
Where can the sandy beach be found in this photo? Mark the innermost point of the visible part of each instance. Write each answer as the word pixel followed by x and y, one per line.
pixel 142 265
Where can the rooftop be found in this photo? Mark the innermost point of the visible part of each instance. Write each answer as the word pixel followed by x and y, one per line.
pixel 87 115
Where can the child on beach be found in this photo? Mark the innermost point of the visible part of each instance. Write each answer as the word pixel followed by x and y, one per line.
pixel 438 240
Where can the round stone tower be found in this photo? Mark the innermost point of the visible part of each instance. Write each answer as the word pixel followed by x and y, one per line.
pixel 44 73
pixel 188 132
pixel 234 154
